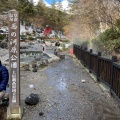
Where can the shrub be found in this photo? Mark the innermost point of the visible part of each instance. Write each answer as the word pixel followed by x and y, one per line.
pixel 2 37
pixel 30 38
pixel 118 24
pixel 108 41
pixel 23 37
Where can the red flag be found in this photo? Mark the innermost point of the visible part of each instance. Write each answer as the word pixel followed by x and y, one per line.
pixel 47 31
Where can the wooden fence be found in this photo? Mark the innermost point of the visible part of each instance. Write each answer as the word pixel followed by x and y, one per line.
pixel 106 70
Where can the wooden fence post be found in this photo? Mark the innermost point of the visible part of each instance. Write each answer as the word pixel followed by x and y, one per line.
pixel 85 49
pixel 81 53
pixel 82 56
pixel 98 64
pixel 77 52
pixel 114 59
pixel 90 60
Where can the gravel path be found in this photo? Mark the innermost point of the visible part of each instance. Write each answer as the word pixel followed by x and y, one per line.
pixel 64 97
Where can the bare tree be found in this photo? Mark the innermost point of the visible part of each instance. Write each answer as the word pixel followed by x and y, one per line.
pixel 95 16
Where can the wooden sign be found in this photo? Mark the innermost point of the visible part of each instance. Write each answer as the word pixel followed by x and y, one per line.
pixel 14 61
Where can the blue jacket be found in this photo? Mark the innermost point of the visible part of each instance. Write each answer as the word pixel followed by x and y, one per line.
pixel 4 76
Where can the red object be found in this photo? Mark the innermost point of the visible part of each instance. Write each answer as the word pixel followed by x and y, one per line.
pixel 71 51
pixel 47 31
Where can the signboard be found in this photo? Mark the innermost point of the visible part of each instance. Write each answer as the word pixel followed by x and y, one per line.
pixel 14 61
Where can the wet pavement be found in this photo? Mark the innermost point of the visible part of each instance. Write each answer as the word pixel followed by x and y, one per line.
pixel 64 97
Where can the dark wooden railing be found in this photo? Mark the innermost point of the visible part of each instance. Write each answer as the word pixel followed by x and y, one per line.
pixel 115 82
pixel 106 70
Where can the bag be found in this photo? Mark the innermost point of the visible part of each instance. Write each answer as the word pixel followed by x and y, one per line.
pixel 32 99
pixel 5 102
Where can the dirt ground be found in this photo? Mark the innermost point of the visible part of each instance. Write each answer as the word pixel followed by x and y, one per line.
pixel 63 95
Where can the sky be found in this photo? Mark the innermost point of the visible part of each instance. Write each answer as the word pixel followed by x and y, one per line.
pixel 49 2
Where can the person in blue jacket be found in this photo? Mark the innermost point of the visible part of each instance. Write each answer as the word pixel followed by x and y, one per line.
pixel 4 77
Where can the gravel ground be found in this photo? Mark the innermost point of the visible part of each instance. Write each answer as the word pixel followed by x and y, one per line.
pixel 64 97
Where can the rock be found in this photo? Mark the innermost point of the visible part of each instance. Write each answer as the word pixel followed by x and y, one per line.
pixel 23 47
pixel 41 113
pixel 61 56
pixel 34 65
pixel 26 67
pixel 37 59
pixel 55 52
pixel 31 43
pixel 34 70
pixel 3 44
pixel 44 62
pixel 83 81
pixel 32 99
pixel 31 86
